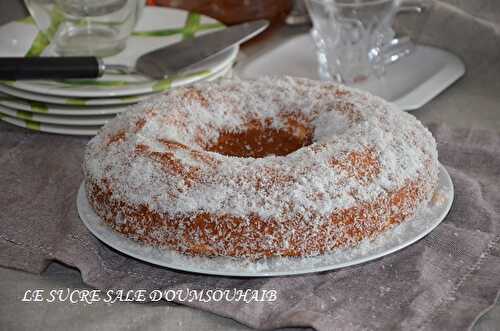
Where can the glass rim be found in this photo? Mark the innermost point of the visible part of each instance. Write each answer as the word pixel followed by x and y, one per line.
pixel 344 3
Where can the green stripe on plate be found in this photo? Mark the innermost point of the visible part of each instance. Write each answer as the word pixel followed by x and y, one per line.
pixel 42 40
pixel 38 46
pixel 24 115
pixel 38 107
pixel 76 102
pixel 97 83
pixel 163 85
pixel 158 33
pixel 210 26
pixel 174 31
pixel 191 26
pixel 32 125
pixel 202 73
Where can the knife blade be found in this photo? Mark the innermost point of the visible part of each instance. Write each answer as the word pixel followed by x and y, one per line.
pixel 156 64
pixel 173 58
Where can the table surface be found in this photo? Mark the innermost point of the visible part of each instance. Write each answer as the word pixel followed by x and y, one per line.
pixel 468 103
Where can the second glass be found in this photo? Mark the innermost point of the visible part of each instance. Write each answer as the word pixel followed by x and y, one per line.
pixel 354 38
pixel 86 27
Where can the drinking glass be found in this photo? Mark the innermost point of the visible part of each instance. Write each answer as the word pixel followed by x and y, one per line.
pixel 354 38
pixel 86 27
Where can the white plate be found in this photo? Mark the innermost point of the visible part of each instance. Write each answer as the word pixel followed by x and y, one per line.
pixel 69 128
pixel 56 119
pixel 389 242
pixel 410 83
pixel 79 102
pixel 9 89
pixel 12 102
pixel 18 38
pixel 52 128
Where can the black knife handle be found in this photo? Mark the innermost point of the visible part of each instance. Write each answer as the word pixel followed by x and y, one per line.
pixel 12 68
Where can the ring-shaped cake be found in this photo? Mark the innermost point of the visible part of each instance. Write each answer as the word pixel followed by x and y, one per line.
pixel 260 168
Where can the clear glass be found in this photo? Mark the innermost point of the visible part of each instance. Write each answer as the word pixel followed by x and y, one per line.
pixel 86 27
pixel 354 38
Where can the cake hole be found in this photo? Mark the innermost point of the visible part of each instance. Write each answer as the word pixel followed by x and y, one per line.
pixel 258 141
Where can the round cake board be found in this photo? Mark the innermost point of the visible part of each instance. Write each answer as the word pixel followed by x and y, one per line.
pixel 389 242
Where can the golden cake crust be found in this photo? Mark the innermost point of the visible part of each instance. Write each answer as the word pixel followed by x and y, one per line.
pixel 271 167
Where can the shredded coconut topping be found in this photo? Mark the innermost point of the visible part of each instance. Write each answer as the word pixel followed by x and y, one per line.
pixel 155 153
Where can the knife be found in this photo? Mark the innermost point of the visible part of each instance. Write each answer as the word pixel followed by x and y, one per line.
pixel 157 64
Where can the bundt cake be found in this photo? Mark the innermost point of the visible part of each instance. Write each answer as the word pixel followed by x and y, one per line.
pixel 260 168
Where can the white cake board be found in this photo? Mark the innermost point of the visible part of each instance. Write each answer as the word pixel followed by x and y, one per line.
pixel 391 241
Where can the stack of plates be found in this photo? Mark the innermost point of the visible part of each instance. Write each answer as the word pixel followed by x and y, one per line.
pixel 81 107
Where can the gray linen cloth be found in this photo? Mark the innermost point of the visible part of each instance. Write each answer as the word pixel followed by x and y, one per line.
pixel 444 281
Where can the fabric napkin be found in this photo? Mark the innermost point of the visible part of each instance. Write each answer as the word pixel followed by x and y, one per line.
pixel 442 282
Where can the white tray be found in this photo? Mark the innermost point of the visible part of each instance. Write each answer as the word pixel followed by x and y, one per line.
pixel 410 83
pixel 389 242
